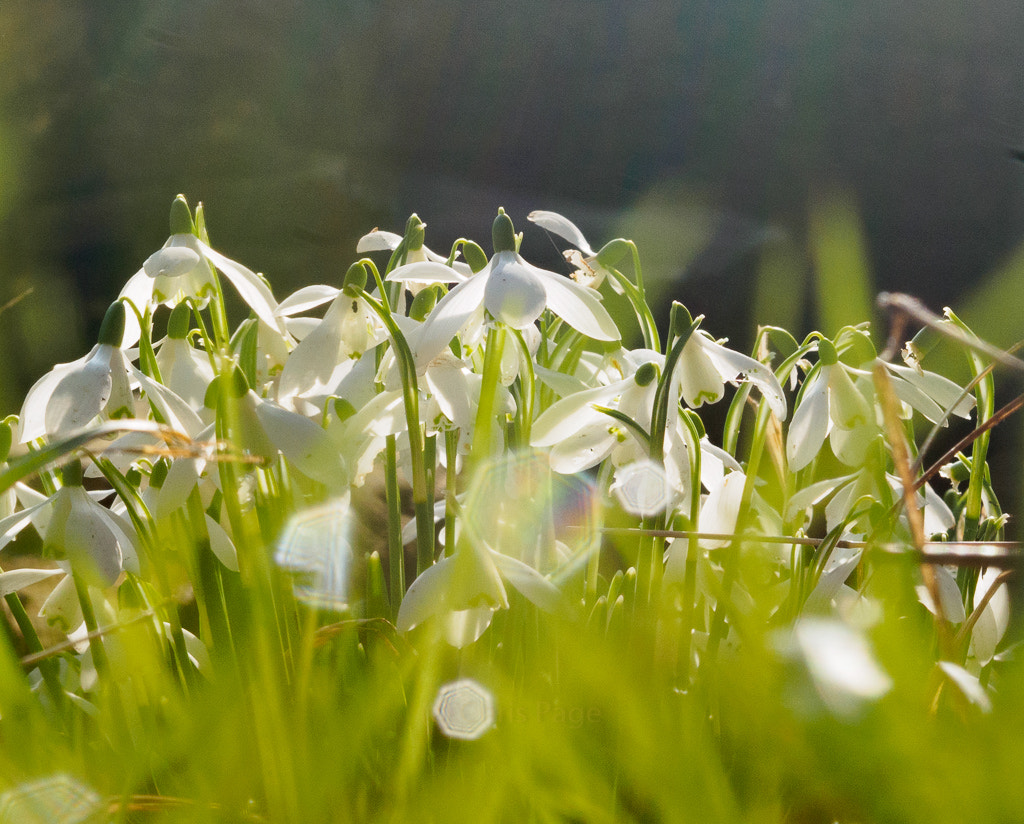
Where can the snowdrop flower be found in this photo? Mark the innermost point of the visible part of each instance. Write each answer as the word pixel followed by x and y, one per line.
pixel 265 428
pixel 348 329
pixel 830 406
pixel 840 663
pixel 184 267
pixel 837 403
pixel 72 395
pixel 467 587
pixel 511 290
pixel 580 435
pixel 184 370
pixel 86 533
pixel 414 248
pixel 928 393
pixel 591 268
pixel 994 619
pixel 705 366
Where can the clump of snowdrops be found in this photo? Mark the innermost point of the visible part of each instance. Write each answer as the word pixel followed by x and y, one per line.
pixel 573 604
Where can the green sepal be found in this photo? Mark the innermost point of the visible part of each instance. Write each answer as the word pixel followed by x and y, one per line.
pixel 112 328
pixel 238 386
pixel 423 304
pixel 6 439
pixel 343 408
pixel 355 279
pixel 475 256
pixel 179 322
pixel 181 217
pixel 680 319
pixel 71 473
pixel 647 373
pixel 414 233
pixel 827 353
pixel 503 233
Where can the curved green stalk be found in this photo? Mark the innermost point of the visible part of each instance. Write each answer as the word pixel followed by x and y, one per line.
pixel 410 392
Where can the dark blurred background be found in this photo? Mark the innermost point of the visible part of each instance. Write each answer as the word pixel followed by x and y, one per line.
pixel 746 146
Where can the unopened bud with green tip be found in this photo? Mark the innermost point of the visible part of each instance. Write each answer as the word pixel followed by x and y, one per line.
pixel 503 233
pixel 475 256
pixel 179 322
pixel 235 382
pixel 423 304
pixel 680 319
pixel 414 233
pixel 827 353
pixel 71 473
pixel 343 409
pixel 112 328
pixel 921 344
pixel 181 217
pixel 613 251
pixel 646 374
pixel 355 279
pixel 6 437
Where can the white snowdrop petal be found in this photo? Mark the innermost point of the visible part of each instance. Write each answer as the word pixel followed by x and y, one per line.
pixel 563 227
pixel 17 579
pixel 248 284
pixel 378 241
pixel 949 596
pixel 810 423
pixel 80 394
pixel 733 365
pixel 306 298
pixel 171 262
pixel 578 306
pixel 513 294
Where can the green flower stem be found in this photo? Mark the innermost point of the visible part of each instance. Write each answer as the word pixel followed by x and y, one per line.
pixel 147 357
pixel 48 667
pixel 527 384
pixel 649 563
pixel 410 391
pixel 730 556
pixel 488 392
pixel 984 392
pixel 141 518
pixel 210 593
pixel 659 415
pixel 396 559
pixel 644 318
pixel 689 595
pixel 451 451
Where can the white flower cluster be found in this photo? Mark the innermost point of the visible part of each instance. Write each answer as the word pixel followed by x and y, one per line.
pixel 487 356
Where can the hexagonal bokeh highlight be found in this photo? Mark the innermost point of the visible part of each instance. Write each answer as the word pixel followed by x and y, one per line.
pixel 464 710
pixel 642 488
pixel 315 546
pixel 56 799
pixel 523 509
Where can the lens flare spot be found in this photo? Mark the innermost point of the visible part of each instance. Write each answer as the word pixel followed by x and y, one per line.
pixel 464 710
pixel 315 547
pixel 547 520
pixel 643 489
pixel 56 799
